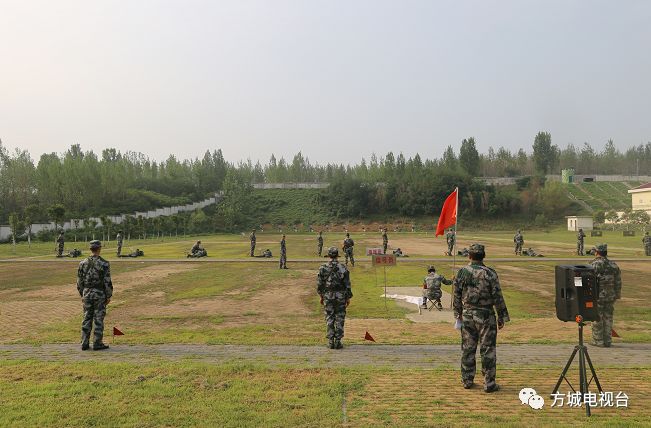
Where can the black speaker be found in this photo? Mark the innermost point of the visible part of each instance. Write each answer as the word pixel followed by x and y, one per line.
pixel 576 292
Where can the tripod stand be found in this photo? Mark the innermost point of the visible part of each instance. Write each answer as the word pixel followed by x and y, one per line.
pixel 584 383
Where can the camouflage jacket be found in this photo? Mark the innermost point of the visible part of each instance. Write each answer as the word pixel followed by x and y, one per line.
pixel 477 286
pixel 195 248
pixel 518 238
pixel 319 240
pixel 61 240
pixel 348 243
pixel 252 237
pixel 580 236
pixel 609 279
pixel 450 237
pixel 433 281
pixel 646 240
pixel 283 248
pixel 333 281
pixel 385 237
pixel 95 272
pixel 119 239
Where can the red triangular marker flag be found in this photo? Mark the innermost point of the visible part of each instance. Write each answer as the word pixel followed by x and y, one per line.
pixel 369 337
pixel 448 213
pixel 614 333
pixel 117 332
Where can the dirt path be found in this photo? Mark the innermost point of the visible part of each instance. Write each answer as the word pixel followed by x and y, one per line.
pixel 389 356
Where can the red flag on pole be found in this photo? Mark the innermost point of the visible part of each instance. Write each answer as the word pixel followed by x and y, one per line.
pixel 117 332
pixel 613 333
pixel 448 213
pixel 369 337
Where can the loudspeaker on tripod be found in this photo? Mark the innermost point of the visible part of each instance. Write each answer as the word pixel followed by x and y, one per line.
pixel 576 292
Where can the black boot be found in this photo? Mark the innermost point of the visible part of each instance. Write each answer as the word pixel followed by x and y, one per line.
pixel 99 346
pixel 338 344
pixel 331 344
pixel 85 346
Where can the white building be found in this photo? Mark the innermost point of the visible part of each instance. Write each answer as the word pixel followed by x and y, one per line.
pixel 576 222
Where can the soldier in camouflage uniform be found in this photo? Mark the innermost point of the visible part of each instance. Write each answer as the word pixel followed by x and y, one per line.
pixel 451 239
pixel 319 244
pixel 432 286
pixel 385 240
pixel 283 254
pixel 348 249
pixel 95 288
pixel 61 240
pixel 580 236
pixel 518 239
pixel 647 244
pixel 252 239
pixel 333 285
pixel 119 240
pixel 476 292
pixel 609 281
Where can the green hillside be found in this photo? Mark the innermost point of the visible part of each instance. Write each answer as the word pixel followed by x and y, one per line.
pixel 602 195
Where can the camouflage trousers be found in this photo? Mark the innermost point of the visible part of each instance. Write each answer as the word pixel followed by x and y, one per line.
pixel 119 250
pixel 349 255
pixel 283 260
pixel 319 249
pixel 252 248
pixel 518 248
pixel 602 329
pixel 647 250
pixel 94 311
pixel 60 250
pixel 335 316
pixel 450 247
pixel 579 248
pixel 384 246
pixel 478 326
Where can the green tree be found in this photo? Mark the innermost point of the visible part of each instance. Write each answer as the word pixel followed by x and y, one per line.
pixel 57 212
pixel 32 213
pixel 237 191
pixel 612 217
pixel 469 157
pixel 545 155
pixel 17 228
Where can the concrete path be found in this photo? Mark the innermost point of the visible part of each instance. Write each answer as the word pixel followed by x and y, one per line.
pixel 388 356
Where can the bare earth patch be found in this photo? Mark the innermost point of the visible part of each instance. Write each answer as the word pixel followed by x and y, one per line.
pixel 21 313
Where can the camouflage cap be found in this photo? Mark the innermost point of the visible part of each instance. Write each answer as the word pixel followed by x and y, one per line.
pixel 601 247
pixel 95 244
pixel 333 252
pixel 476 248
pixel 431 269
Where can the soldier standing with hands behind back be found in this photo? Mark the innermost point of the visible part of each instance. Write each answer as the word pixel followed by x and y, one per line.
pixel 385 240
pixel 319 244
pixel 348 249
pixel 647 243
pixel 283 254
pixel 476 292
pixel 333 285
pixel 609 282
pixel 252 239
pixel 60 243
pixel 95 289
pixel 119 240
pixel 580 237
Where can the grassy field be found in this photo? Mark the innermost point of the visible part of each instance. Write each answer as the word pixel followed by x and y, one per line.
pixel 117 394
pixel 158 302
pixel 556 243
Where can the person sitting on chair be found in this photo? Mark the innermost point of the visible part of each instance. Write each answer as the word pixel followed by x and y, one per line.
pixel 432 288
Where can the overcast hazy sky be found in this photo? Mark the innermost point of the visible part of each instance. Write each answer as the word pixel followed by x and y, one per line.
pixel 337 80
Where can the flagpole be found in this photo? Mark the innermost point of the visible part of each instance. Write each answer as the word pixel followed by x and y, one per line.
pixel 454 247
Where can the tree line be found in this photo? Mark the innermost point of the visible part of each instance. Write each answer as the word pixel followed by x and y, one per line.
pixel 83 183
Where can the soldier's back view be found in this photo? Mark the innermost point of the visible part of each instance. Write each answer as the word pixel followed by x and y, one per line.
pixel 333 286
pixel 647 244
pixel 95 289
